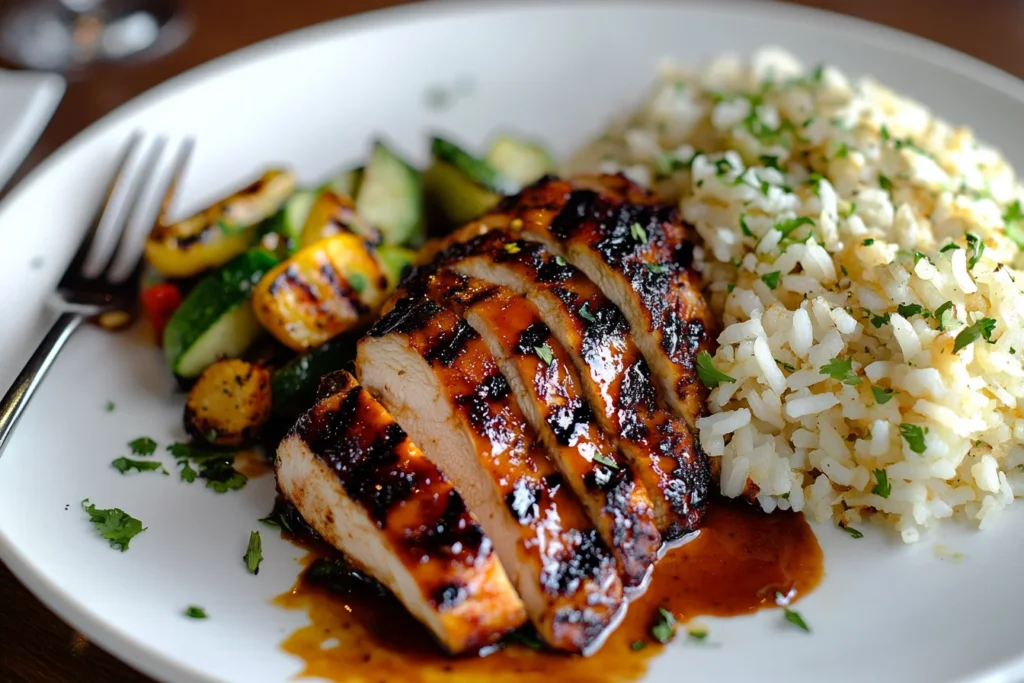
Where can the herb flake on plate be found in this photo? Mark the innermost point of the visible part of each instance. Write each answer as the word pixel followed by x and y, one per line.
pixel 143 446
pixel 664 627
pixel 254 553
pixel 125 465
pixel 194 612
pixel 708 374
pixel 115 525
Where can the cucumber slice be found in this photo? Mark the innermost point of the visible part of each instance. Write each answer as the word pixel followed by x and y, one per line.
pixel 216 320
pixel 293 386
pixel 348 183
pixel 287 224
pixel 523 162
pixel 391 197
pixel 476 170
pixel 453 196
pixel 395 260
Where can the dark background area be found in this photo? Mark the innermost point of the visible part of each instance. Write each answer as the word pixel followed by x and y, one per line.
pixel 35 646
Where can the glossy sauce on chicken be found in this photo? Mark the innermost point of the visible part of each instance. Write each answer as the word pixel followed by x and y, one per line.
pixel 734 566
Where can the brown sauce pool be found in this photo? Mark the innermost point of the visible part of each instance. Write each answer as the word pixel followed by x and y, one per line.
pixel 737 563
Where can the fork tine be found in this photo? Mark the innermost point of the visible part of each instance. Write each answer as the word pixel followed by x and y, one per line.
pixel 89 239
pixel 134 190
pixel 177 171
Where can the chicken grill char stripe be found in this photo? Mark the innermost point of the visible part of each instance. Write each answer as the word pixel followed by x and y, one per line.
pixel 360 482
pixel 614 374
pixel 561 568
pixel 548 393
pixel 638 252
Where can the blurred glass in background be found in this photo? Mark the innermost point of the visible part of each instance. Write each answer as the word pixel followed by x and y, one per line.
pixel 68 35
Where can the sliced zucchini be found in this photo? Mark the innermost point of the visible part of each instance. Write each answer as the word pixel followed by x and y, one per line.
pixel 282 232
pixel 390 197
pixel 216 320
pixel 333 213
pixel 395 260
pixel 459 186
pixel 217 234
pixel 347 183
pixel 293 386
pixel 325 289
pixel 522 162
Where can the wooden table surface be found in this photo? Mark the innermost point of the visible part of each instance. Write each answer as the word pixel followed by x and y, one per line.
pixel 35 646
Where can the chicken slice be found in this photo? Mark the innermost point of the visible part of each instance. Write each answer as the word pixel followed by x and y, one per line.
pixel 367 489
pixel 614 375
pixel 545 386
pixel 639 253
pixel 435 375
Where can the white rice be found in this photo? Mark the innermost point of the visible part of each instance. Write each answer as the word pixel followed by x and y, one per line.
pixel 826 206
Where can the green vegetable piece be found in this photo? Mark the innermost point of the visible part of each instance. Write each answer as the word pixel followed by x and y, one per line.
pixel 142 446
pixel 545 353
pixel 850 530
pixel 124 465
pixel 606 461
pixel 254 553
pixel 967 336
pixel 772 279
pixel 637 232
pixel 115 525
pixel 708 373
pixel 586 314
pixel 914 434
pixel 882 486
pixel 664 627
pixel 841 370
pixel 882 396
pixel 193 612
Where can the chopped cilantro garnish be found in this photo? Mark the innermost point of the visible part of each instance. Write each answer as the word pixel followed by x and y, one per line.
pixel 977 247
pixel 981 329
pixel 868 242
pixel 667 163
pixel 771 279
pixel 907 310
pixel 606 461
pixel 637 232
pixel 744 227
pixel 180 450
pixel 142 446
pixel 770 161
pixel 877 320
pixel 952 246
pixel 708 373
pixel 586 314
pixel 841 370
pixel 698 634
pixel 124 465
pixel 115 525
pixel 194 612
pixel 882 396
pixel 882 487
pixel 940 311
pixel 914 434
pixel 1014 220
pixel 638 645
pixel 254 553
pixel 657 268
pixel 664 627
pixel 110 407
pixel 792 616
pixel 850 530
pixel 786 227
pixel 885 133
pixel 222 477
pixel 187 473
pixel 544 353
pixel 561 261
pixel 357 281
pixel 884 183
pixel 842 151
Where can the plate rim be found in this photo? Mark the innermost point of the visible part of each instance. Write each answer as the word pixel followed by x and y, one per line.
pixel 141 655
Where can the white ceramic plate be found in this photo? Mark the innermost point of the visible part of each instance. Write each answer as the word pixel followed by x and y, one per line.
pixel 885 611
pixel 27 101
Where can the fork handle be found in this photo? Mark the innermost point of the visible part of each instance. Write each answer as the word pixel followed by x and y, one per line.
pixel 20 393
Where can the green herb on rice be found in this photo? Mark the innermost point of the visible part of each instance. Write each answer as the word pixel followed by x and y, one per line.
pixel 914 436
pixel 979 330
pixel 883 396
pixel 841 370
pixel 850 530
pixel 882 487
pixel 977 248
pixel 772 279
pixel 1013 218
pixel 708 373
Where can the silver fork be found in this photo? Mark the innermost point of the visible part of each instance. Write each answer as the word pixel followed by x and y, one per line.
pixel 86 292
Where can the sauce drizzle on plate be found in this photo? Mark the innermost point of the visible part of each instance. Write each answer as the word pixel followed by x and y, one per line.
pixel 734 566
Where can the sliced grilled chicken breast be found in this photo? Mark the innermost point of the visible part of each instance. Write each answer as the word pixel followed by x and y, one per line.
pixel 545 386
pixel 435 375
pixel 367 489
pixel 639 253
pixel 614 375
